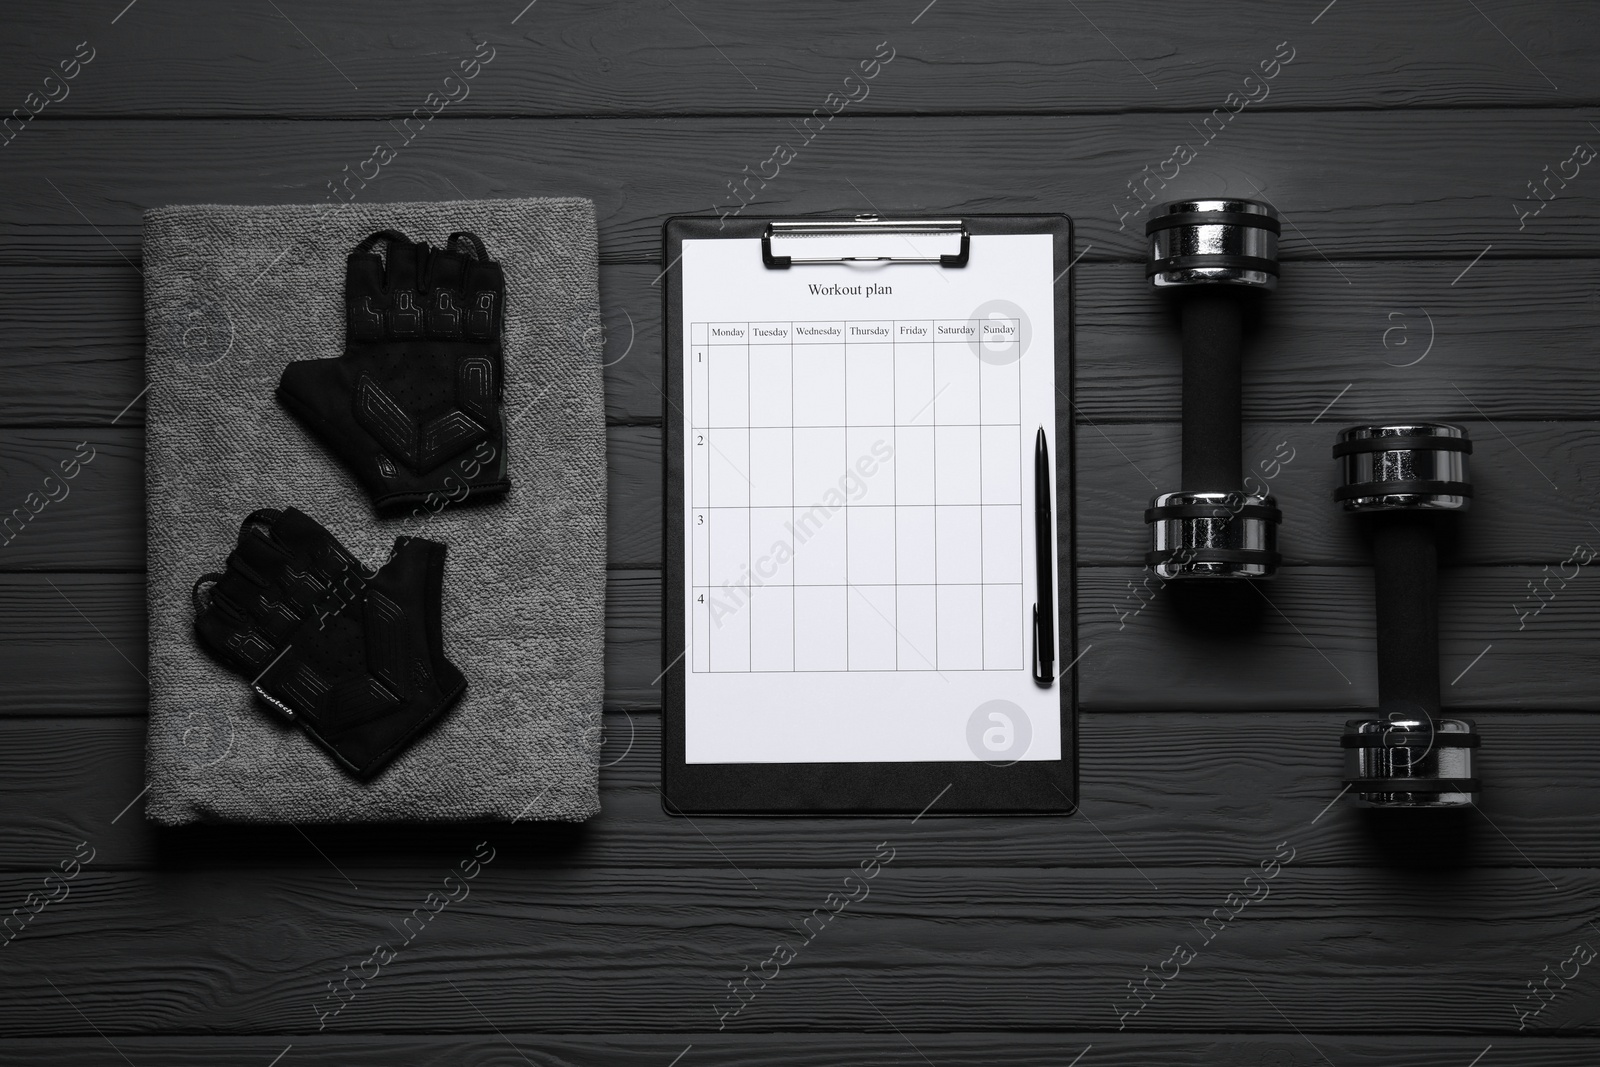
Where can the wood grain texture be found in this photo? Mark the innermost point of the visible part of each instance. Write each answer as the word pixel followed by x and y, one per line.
pixel 98 523
pixel 72 344
pixel 1158 790
pixel 1410 340
pixel 617 58
pixel 74 643
pixel 1356 185
pixel 1400 143
pixel 1533 482
pixel 91 521
pixel 77 642
pixel 939 949
pixel 878 1047
pixel 1307 641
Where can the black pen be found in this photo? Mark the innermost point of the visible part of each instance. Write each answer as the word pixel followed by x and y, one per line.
pixel 1044 537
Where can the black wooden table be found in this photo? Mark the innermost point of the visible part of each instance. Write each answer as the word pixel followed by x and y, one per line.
pixel 1439 262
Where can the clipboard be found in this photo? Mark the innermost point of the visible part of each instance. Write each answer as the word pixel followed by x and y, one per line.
pixel 801 683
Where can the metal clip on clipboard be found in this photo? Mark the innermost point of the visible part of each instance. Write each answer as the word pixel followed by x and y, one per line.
pixel 865 239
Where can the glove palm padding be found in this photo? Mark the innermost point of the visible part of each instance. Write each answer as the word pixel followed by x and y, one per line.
pixel 413 405
pixel 354 657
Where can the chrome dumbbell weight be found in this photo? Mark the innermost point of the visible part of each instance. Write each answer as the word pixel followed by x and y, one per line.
pixel 1214 258
pixel 1407 478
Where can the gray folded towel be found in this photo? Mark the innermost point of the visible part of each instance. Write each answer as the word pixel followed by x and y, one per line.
pixel 231 295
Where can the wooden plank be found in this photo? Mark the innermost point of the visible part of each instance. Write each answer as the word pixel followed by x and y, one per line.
pixel 615 58
pixel 1311 647
pixel 72 345
pixel 1531 481
pixel 1307 641
pixel 1406 341
pixel 1158 790
pixel 881 1047
pixel 634 508
pixel 72 499
pixel 633 640
pixel 98 521
pixel 75 644
pixel 194 949
pixel 1356 185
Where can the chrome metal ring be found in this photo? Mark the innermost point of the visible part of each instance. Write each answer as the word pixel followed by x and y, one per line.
pixel 1411 760
pixel 1213 535
pixel 1213 242
pixel 1404 466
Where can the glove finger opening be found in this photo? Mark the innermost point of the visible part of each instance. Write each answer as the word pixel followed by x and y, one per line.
pixel 400 269
pixel 485 297
pixel 364 299
pixel 447 272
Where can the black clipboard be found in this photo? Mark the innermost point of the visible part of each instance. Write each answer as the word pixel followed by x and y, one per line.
pixel 933 788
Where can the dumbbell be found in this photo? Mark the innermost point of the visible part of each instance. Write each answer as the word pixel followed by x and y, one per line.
pixel 1215 258
pixel 1407 478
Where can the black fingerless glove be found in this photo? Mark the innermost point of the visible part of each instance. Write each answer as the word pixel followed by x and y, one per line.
pixel 354 657
pixel 413 405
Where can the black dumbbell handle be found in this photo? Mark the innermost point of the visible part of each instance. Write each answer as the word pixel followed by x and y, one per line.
pixel 1213 337
pixel 1406 572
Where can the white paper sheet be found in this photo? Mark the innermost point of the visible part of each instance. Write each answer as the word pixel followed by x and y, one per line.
pixel 859 580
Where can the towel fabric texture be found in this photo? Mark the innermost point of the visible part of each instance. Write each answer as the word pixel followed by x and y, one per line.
pixel 232 294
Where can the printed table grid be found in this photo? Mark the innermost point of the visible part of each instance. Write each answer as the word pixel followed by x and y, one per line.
pixel 829 461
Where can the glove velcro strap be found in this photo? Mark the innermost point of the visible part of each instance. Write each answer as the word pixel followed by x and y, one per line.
pixel 471 241
pixel 203 601
pixel 380 237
